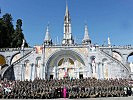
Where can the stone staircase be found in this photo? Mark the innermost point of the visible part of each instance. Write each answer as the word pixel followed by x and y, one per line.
pixel 114 59
pixel 22 58
pixel 15 63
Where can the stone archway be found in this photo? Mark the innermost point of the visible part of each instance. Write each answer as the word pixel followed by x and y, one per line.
pixel 64 63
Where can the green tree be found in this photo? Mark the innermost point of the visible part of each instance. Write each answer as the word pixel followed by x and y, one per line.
pixel 6 30
pixel 18 35
pixel 10 37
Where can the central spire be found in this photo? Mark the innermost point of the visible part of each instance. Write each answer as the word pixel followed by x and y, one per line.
pixel 67 38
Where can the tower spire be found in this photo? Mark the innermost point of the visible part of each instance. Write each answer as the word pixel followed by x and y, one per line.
pixel 47 40
pixel 67 38
pixel 66 8
pixel 86 38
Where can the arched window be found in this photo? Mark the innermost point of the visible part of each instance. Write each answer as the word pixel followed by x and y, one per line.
pixel 60 62
pixel 71 61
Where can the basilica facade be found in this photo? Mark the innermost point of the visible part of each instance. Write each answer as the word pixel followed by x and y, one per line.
pixel 50 61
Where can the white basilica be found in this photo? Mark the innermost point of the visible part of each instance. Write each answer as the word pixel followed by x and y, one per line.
pixel 49 61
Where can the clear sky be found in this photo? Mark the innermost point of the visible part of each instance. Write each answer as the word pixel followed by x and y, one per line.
pixel 101 16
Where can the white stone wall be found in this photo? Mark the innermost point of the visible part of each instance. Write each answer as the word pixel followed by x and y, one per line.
pixel 109 70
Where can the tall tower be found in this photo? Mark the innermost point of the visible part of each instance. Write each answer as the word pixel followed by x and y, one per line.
pixel 47 40
pixel 86 39
pixel 67 38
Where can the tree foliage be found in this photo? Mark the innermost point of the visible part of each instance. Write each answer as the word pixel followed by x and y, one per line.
pixel 10 37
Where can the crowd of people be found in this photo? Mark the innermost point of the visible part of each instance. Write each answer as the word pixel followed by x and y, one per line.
pixel 64 88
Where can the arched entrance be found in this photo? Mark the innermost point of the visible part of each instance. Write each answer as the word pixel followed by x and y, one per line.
pixel 65 63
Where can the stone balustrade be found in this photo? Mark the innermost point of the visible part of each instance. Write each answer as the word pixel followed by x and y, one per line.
pixel 13 49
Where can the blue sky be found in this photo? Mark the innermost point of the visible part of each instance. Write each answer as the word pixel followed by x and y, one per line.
pixel 101 16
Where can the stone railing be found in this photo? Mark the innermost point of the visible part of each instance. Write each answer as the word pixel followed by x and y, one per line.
pixel 20 59
pixel 14 63
pixel 13 49
pixel 116 60
pixel 117 47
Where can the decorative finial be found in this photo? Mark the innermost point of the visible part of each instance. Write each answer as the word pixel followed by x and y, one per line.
pixel 86 38
pixel 47 39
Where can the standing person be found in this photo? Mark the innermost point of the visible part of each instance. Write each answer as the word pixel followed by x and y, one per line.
pixel 64 92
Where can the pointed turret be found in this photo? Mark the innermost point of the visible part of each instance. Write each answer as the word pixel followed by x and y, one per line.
pixel 86 39
pixel 47 40
pixel 67 38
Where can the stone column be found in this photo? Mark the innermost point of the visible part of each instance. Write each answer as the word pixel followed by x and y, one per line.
pixel 55 75
pixel 109 70
pixel 101 71
pixel 84 72
pixel 31 71
pixel 34 72
pixel 90 70
pixel 40 69
pixel 22 72
pixel 78 72
pixel 98 70
pixel 44 71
